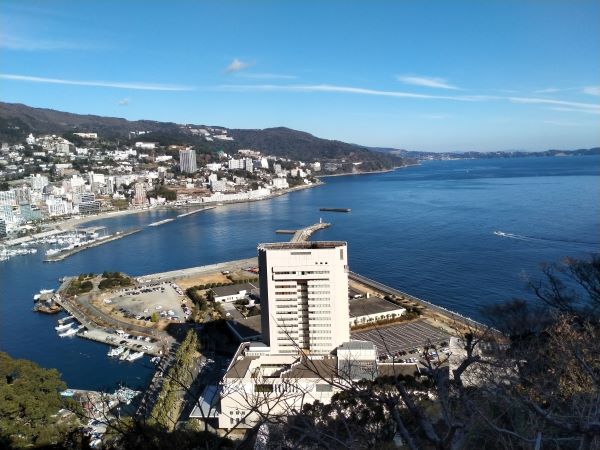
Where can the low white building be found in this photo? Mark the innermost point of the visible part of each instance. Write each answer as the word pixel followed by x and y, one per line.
pixel 259 384
pixel 232 292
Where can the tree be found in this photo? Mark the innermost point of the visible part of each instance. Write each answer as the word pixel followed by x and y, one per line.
pixel 29 405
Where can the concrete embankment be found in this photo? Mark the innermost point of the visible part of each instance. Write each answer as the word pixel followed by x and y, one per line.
pixel 453 316
pixel 66 253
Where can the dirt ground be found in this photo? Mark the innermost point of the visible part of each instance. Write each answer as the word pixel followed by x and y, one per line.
pixel 216 277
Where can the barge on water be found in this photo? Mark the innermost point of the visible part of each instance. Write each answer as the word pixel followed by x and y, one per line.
pixel 346 210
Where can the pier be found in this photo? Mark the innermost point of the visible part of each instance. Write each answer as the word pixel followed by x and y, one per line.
pixel 304 234
pixel 65 254
pixel 189 213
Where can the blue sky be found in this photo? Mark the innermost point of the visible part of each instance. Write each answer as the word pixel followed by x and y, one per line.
pixel 420 75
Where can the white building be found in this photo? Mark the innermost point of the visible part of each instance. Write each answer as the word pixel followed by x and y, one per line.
pixel 304 296
pixel 139 195
pixel 280 183
pixel 234 164
pixel 187 160
pixel 87 135
pixel 38 182
pixel 146 145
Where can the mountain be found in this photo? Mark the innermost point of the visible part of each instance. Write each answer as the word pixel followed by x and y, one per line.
pixel 477 155
pixel 18 120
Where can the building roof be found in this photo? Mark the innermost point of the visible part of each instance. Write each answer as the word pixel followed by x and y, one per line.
pixel 357 345
pixel 208 404
pixel 232 289
pixel 313 368
pixel 307 245
pixel 247 328
pixel 372 305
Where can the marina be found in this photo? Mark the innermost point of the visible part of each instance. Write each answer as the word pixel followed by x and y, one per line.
pixel 75 248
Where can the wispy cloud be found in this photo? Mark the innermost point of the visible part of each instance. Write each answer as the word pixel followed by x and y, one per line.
pixel 547 91
pixel 267 76
pixel 557 103
pixel 346 90
pixel 124 101
pixel 591 90
pixel 564 109
pixel 236 65
pixel 562 124
pixel 439 83
pixel 17 43
pixel 106 84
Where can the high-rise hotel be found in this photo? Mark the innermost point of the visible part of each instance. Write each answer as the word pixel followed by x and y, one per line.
pixel 306 354
pixel 187 160
pixel 304 296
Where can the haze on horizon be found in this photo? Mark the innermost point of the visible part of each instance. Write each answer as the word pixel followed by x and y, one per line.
pixel 435 76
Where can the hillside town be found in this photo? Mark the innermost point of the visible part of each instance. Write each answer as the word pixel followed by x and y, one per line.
pixel 50 177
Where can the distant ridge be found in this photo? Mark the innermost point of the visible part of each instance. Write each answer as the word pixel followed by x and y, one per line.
pixel 18 120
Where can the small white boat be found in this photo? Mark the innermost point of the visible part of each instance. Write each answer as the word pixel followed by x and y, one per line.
pixel 134 356
pixel 155 360
pixel 69 332
pixel 116 351
pixel 62 327
pixel 124 355
pixel 46 291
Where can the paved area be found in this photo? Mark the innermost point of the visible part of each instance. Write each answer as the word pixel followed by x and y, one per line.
pixel 145 300
pixel 403 336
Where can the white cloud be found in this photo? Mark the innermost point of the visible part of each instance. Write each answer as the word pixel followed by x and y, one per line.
pixel 563 124
pixel 108 84
pixel 431 82
pixel 547 91
pixel 12 42
pixel 559 103
pixel 347 90
pixel 123 102
pixel 267 76
pixel 591 90
pixel 562 108
pixel 236 65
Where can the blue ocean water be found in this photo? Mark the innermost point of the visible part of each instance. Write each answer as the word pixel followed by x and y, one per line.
pixel 427 229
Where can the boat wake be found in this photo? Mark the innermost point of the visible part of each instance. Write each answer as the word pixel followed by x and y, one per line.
pixel 521 237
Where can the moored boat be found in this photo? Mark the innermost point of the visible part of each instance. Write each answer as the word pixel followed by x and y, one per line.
pixel 116 351
pixel 134 356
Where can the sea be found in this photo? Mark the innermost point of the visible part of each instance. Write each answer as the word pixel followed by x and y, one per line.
pixel 463 234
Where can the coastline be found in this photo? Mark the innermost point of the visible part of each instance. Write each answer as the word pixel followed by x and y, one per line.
pixel 71 223
pixel 370 172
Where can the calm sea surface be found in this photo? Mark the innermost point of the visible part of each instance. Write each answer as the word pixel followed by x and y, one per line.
pixel 428 230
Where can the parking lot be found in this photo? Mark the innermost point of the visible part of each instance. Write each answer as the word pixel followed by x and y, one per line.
pixel 403 336
pixel 142 301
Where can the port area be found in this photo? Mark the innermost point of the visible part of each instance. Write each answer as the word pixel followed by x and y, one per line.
pixel 96 242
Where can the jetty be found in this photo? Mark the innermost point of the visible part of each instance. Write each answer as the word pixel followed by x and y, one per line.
pixel 189 213
pixel 103 240
pixel 161 222
pixel 304 234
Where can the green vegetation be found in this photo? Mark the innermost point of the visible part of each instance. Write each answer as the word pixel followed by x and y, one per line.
pixel 29 405
pixel 112 280
pixel 81 285
pixel 178 378
pixel 163 191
